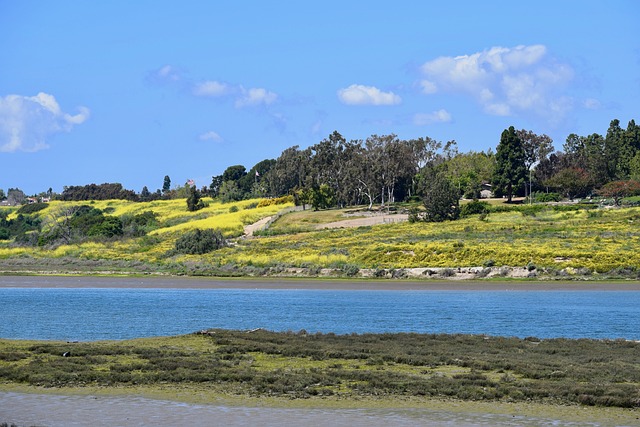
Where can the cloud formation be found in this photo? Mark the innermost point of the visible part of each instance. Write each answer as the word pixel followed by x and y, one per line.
pixel 367 95
pixel 211 136
pixel 26 122
pixel 254 97
pixel 504 81
pixel 423 119
pixel 242 97
pixel 211 88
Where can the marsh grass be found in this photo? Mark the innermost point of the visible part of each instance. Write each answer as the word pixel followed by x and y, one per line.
pixel 301 365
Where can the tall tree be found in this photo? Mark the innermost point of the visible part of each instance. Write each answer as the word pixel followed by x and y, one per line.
pixel 617 153
pixel 510 169
pixel 536 148
pixel 194 200
pixel 166 185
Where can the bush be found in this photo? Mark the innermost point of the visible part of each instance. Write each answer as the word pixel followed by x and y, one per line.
pixel 275 201
pixel 32 208
pixel 198 242
pixel 475 207
pixel 540 197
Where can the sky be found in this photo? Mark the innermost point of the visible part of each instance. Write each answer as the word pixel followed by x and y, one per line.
pixel 131 91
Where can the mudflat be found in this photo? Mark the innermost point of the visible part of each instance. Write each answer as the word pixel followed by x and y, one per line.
pixel 176 282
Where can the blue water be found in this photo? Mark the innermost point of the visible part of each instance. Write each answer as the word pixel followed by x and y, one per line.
pixel 95 314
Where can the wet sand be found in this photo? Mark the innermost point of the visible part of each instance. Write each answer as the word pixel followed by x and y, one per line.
pixel 153 282
pixel 55 410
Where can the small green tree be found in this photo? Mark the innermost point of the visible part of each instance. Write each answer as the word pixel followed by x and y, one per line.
pixel 166 185
pixel 194 201
pixel 322 197
pixel 510 169
pixel 441 200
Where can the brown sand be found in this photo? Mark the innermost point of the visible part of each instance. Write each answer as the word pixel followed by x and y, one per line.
pixel 317 284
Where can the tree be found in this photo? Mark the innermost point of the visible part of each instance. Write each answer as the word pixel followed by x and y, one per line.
pixel 194 201
pixel 536 148
pixel 145 194
pixel 234 173
pixel 166 186
pixel 214 187
pixel 15 196
pixel 322 197
pixel 441 200
pixel 571 181
pixel 510 169
pixel 618 190
pixel 229 192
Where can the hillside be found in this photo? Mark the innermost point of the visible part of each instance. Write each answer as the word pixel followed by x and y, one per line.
pixel 538 241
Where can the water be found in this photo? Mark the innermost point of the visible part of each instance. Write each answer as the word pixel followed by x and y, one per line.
pixel 97 314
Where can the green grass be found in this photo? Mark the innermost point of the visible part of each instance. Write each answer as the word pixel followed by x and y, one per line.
pixel 300 366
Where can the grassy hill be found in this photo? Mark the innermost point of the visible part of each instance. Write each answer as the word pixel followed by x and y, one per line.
pixel 532 241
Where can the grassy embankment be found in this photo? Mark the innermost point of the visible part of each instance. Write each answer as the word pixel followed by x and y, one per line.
pixel 548 241
pixel 385 367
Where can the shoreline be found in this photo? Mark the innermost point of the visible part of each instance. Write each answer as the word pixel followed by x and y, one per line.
pixel 198 406
pixel 181 282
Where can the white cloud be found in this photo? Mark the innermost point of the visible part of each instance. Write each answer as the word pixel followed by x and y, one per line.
pixel 591 104
pixel 168 72
pixel 27 121
pixel 254 97
pixel 211 136
pixel 211 88
pixel 423 119
pixel 504 81
pixel 428 87
pixel 367 95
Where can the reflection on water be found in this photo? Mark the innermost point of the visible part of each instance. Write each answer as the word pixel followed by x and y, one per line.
pixel 56 410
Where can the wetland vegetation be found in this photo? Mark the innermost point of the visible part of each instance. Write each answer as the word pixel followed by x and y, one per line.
pixel 299 365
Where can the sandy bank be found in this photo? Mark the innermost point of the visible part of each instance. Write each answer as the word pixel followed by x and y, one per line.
pixel 316 284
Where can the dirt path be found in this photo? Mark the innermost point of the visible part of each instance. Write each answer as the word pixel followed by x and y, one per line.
pixel 364 222
pixel 252 228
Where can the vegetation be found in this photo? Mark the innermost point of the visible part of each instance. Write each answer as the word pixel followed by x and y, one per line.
pixel 510 169
pixel 109 225
pixel 198 242
pixel 302 365
pixel 562 241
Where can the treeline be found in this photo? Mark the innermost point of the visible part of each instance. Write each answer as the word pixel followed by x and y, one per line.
pixel 385 169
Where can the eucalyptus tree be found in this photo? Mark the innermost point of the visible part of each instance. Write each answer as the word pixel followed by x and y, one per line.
pixel 290 172
pixel 536 148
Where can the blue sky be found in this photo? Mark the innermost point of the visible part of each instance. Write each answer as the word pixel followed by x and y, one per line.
pixel 131 91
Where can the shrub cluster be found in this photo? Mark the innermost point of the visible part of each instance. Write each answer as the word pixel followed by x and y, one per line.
pixel 275 201
pixel 198 242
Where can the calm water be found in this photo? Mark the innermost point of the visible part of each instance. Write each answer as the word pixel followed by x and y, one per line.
pixel 92 314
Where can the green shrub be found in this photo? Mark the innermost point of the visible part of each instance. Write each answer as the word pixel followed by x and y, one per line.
pixel 475 207
pixel 233 209
pixel 540 197
pixel 32 208
pixel 198 242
